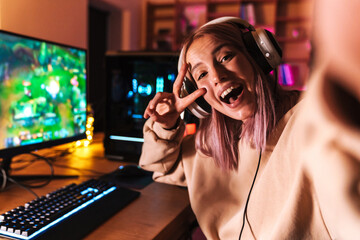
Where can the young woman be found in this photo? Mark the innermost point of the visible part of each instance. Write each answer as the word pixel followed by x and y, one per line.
pixel 241 167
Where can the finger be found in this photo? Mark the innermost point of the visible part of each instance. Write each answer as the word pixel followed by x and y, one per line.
pixel 155 116
pixel 149 109
pixel 159 97
pixel 179 80
pixel 186 101
pixel 147 113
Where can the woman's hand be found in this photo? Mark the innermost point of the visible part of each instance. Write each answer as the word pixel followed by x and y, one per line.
pixel 165 108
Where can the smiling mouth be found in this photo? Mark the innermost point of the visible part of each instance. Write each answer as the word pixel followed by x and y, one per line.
pixel 231 94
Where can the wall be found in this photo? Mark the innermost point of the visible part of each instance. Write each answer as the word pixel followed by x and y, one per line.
pixel 63 21
pixel 124 23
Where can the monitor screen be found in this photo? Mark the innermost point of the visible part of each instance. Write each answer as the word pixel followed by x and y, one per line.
pixel 133 79
pixel 42 94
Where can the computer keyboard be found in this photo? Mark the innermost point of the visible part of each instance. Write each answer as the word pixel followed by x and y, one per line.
pixel 67 213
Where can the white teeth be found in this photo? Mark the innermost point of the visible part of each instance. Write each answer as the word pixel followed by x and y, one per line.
pixel 226 92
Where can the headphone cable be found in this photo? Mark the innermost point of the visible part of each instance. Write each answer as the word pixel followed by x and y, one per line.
pixel 248 197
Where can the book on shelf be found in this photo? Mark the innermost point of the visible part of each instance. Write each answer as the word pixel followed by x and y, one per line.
pixel 247 12
pixel 288 74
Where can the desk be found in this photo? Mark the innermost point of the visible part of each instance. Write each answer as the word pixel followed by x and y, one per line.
pixel 161 212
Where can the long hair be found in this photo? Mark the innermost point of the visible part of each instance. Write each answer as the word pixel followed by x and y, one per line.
pixel 218 135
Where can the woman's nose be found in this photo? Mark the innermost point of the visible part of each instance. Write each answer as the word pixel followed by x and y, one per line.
pixel 219 75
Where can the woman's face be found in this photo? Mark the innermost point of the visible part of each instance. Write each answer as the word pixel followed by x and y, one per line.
pixel 226 74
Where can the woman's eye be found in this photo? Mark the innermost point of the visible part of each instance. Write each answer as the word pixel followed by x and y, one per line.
pixel 201 75
pixel 225 58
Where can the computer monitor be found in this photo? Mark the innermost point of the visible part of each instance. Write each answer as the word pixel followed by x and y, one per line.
pixel 132 80
pixel 43 94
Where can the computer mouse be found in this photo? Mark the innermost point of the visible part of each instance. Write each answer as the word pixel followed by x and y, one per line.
pixel 131 170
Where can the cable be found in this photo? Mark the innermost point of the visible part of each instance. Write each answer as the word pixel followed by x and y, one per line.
pixel 43 182
pixel 79 169
pixel 51 172
pixel 23 186
pixel 4 179
pixel 248 197
pixel 20 161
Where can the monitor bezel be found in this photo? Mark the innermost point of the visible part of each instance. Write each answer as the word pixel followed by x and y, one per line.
pixel 6 154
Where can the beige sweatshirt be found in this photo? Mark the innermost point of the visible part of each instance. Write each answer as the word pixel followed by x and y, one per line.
pixel 307 186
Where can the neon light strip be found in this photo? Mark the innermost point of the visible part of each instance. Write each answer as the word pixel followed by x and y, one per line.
pixel 59 219
pixel 130 139
pixel 138 116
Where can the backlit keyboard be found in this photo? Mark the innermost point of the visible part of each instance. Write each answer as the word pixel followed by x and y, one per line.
pixel 67 213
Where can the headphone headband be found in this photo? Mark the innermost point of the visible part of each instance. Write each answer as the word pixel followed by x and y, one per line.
pixel 244 24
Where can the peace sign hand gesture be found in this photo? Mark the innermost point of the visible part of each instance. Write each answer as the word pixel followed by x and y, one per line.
pixel 165 108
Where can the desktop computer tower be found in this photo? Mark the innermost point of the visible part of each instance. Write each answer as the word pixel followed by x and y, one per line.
pixel 132 80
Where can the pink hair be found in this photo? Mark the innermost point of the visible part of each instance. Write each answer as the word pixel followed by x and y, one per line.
pixel 218 135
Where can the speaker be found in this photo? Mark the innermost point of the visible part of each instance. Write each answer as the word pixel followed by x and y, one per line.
pixel 260 44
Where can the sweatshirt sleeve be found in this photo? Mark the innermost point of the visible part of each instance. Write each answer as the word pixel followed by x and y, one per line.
pixel 161 153
pixel 332 154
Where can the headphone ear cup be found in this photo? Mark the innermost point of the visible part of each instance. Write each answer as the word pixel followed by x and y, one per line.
pixel 263 47
pixel 200 108
pixel 274 43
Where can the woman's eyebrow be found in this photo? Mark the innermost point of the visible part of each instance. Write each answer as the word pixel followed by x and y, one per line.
pixel 191 69
pixel 215 50
pixel 218 48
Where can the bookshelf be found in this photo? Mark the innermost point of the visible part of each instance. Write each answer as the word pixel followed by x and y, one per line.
pixel 170 21
pixel 160 22
pixel 293 28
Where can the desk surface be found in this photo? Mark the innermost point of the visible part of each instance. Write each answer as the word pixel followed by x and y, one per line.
pixel 161 212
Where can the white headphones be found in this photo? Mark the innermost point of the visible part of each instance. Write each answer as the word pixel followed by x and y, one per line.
pixel 260 44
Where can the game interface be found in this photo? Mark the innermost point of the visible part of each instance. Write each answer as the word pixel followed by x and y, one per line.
pixel 42 91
